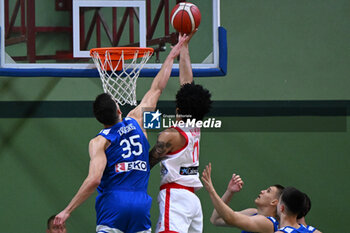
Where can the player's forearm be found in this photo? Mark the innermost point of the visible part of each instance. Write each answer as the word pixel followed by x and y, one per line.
pixel 223 210
pixel 226 198
pixel 160 81
pixel 86 189
pixel 186 75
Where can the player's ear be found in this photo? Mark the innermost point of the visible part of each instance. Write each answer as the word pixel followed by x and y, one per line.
pixel 282 208
pixel 119 112
pixel 274 202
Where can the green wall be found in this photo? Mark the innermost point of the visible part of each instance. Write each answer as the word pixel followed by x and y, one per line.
pixel 278 50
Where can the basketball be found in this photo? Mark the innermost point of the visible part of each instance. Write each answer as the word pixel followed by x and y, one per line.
pixel 185 17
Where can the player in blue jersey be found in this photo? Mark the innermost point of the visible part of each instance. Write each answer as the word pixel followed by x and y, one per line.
pixel 260 220
pixel 119 161
pixel 301 217
pixel 291 204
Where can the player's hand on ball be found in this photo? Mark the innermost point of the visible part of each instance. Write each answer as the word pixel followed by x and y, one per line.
pixel 206 178
pixel 175 51
pixel 189 36
pixel 235 184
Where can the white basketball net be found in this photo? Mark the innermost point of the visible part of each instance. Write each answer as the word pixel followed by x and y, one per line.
pixel 120 84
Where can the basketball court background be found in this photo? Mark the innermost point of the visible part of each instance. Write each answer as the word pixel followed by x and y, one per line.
pixel 286 94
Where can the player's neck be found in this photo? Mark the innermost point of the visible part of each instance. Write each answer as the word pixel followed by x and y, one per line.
pixel 289 221
pixel 109 126
pixel 266 211
pixel 302 221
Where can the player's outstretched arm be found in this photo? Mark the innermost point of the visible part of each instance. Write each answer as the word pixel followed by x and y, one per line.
pixel 235 185
pixel 185 67
pixel 150 99
pixel 256 223
pixel 97 165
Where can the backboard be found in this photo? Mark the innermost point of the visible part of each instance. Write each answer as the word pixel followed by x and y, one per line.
pixel 53 38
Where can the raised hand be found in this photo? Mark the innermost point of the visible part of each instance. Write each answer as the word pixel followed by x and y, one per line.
pixel 175 51
pixel 235 184
pixel 189 36
pixel 206 178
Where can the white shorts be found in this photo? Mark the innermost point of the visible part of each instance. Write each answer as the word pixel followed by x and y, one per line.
pixel 179 211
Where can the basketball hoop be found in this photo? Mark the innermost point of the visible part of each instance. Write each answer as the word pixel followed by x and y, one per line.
pixel 119 79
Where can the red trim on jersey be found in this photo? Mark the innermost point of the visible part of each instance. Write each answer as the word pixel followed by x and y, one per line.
pixel 185 136
pixel 167 209
pixel 169 186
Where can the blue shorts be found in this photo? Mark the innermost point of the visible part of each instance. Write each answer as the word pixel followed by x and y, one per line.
pixel 127 211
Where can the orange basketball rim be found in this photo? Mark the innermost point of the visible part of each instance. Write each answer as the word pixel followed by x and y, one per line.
pixel 116 53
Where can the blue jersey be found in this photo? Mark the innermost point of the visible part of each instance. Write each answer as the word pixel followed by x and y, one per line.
pixel 273 220
pixel 123 202
pixel 311 228
pixel 301 229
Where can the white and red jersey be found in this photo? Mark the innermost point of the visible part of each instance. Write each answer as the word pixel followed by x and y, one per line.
pixel 181 166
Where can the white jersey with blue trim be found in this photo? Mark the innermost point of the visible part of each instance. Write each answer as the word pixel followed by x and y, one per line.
pixel 181 166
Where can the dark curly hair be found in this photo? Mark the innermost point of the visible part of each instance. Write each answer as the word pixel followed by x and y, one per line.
pixel 193 101
pixel 105 109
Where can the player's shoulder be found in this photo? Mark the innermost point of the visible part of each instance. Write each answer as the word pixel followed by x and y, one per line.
pixel 169 134
pixel 264 222
pixel 272 219
pixel 98 141
pixel 260 218
pixel 169 131
pixel 131 120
